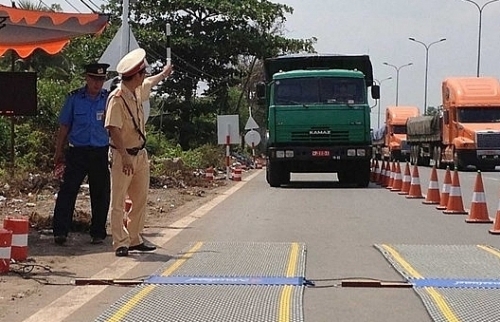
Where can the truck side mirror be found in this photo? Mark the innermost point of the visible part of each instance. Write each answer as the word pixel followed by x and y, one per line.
pixel 260 91
pixel 375 92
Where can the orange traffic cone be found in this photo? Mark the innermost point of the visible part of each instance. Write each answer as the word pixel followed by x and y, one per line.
pixel 433 196
pixel 415 189
pixel 495 230
pixel 478 210
pixel 455 205
pixel 445 191
pixel 377 173
pixel 387 174
pixel 391 178
pixel 398 180
pixel 405 187
pixel 382 174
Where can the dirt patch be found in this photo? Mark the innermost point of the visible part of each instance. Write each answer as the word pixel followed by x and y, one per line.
pixel 170 198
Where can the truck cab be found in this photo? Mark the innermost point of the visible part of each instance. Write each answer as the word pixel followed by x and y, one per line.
pixel 471 121
pixel 395 134
pixel 318 117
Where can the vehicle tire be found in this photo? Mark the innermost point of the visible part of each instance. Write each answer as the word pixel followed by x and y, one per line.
pixel 457 162
pixel 416 157
pixel 437 158
pixel 362 175
pixel 273 175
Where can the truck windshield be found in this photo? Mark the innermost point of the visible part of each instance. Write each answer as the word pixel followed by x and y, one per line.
pixel 479 115
pixel 399 129
pixel 326 90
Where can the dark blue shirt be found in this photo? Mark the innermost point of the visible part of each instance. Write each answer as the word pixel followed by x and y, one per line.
pixel 84 116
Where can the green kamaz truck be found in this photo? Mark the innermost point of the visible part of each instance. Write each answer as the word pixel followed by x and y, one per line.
pixel 318 116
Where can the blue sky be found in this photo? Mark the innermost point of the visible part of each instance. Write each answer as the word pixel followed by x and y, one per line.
pixel 381 29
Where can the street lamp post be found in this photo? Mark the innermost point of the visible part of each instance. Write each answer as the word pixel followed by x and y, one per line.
pixel 397 77
pixel 379 83
pixel 426 65
pixel 480 9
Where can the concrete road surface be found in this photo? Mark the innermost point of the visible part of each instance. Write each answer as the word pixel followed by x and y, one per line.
pixel 338 225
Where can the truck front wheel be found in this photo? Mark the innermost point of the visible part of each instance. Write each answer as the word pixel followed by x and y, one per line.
pixel 362 175
pixel 276 174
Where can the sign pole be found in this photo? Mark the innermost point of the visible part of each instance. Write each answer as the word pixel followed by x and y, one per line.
pixel 253 153
pixel 228 155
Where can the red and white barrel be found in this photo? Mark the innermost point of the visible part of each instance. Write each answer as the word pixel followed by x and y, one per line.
pixel 237 174
pixel 20 227
pixel 209 174
pixel 5 250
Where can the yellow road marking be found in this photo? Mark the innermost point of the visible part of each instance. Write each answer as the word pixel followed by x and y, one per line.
pixel 490 250
pixel 120 314
pixel 286 293
pixel 402 262
pixel 438 299
pixel 130 304
pixel 292 260
pixel 442 305
pixel 182 260
pixel 285 299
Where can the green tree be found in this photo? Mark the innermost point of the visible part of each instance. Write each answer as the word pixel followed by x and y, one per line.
pixel 210 40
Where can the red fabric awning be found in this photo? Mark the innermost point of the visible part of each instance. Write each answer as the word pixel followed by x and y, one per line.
pixel 27 30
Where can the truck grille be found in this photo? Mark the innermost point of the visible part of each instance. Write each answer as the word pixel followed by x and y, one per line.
pixel 488 140
pixel 333 136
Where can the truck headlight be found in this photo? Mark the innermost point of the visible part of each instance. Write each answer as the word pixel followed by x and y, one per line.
pixel 289 153
pixel 351 152
pixel 361 152
pixel 280 154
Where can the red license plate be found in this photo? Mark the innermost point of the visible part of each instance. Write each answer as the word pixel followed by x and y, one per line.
pixel 320 153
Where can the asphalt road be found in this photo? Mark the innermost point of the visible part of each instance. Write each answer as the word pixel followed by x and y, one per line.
pixel 338 225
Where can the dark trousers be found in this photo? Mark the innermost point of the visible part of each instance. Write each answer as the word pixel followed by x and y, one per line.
pixel 81 162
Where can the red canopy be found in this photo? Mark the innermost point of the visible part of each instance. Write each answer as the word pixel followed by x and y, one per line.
pixel 26 30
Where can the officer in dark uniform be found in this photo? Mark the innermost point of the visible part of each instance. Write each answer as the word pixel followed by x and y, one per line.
pixel 82 146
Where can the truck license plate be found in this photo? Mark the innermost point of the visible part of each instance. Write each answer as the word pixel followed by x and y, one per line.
pixel 320 153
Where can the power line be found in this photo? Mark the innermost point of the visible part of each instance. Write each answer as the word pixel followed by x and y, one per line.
pixel 72 6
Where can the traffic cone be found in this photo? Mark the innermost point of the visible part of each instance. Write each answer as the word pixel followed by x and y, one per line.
pixel 382 174
pixel 433 196
pixel 478 210
pixel 455 205
pixel 391 178
pixel 415 191
pixel 398 179
pixel 372 172
pixel 445 191
pixel 495 230
pixel 405 187
pixel 387 177
pixel 377 173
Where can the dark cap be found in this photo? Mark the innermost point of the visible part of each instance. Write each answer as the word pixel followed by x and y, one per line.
pixel 96 69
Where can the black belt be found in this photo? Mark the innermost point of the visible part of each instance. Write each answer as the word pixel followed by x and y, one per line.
pixel 131 151
pixel 134 151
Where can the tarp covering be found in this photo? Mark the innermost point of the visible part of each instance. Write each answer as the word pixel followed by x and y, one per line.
pixel 320 61
pixel 26 30
pixel 424 128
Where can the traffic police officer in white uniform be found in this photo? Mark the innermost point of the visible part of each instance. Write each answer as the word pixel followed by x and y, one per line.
pixel 130 167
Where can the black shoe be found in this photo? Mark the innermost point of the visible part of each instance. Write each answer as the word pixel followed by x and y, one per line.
pixel 121 251
pixel 96 240
pixel 60 240
pixel 143 248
